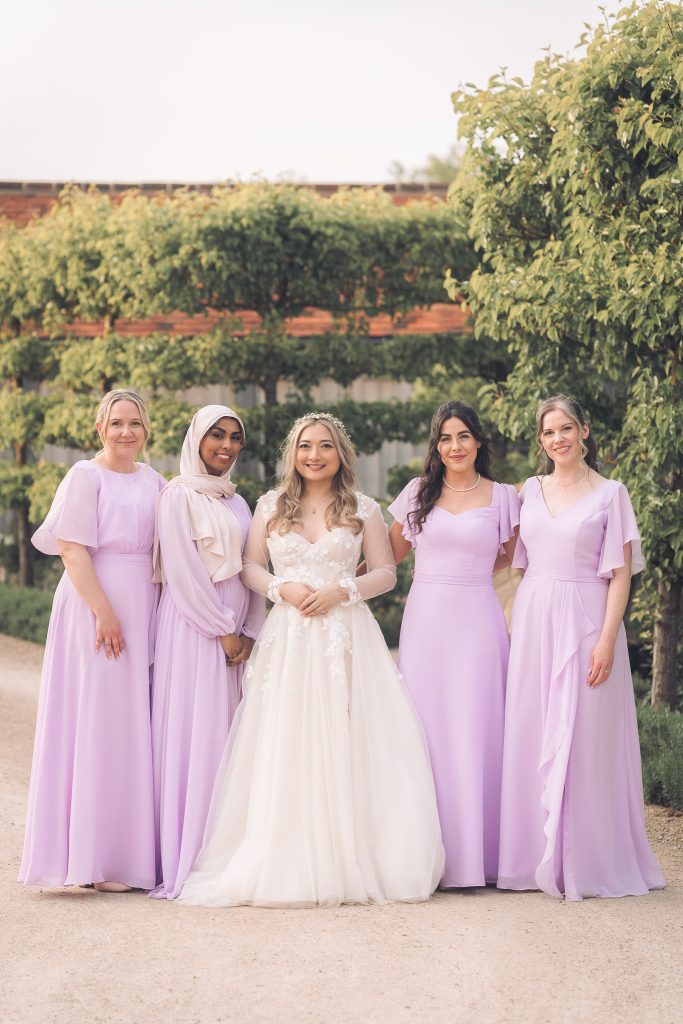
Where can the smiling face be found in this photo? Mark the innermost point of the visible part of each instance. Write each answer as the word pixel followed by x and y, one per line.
pixel 220 446
pixel 457 446
pixel 316 457
pixel 561 438
pixel 123 434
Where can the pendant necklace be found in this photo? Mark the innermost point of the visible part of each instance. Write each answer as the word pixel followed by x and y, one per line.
pixel 462 490
pixel 314 510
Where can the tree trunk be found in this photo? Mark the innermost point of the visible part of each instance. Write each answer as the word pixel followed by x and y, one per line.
pixel 26 577
pixel 269 463
pixel 665 646
pixel 23 529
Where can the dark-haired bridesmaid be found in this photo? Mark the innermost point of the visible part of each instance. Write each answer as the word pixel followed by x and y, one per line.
pixel 572 818
pixel 454 644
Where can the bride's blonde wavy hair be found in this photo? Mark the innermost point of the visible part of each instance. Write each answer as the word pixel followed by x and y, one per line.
pixel 342 511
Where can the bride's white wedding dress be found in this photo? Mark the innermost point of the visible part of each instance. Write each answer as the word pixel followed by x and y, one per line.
pixel 325 794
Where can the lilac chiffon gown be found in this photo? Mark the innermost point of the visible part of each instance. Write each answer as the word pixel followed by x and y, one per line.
pixel 195 694
pixel 90 811
pixel 453 656
pixel 572 799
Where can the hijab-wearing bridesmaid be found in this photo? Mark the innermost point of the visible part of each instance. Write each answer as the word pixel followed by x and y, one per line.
pixel 206 625
pixel 90 813
pixel 572 818
pixel 454 644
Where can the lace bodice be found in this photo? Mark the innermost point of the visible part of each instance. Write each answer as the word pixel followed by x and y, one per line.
pixel 333 557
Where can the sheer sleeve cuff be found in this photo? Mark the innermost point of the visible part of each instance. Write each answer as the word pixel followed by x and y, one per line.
pixel 349 585
pixel 273 592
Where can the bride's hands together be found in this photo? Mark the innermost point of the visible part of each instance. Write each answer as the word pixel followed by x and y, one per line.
pixel 321 601
pixel 295 593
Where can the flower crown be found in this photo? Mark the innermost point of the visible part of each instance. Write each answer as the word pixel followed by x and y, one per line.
pixel 324 417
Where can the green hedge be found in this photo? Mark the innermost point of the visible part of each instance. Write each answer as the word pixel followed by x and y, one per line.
pixel 661 745
pixel 24 612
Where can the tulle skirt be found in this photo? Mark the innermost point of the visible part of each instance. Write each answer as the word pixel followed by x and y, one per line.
pixel 325 794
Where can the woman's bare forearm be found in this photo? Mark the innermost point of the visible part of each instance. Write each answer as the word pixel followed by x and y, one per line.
pixel 81 572
pixel 617 599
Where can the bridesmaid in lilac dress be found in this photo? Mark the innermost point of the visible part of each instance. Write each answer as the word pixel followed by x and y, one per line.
pixel 572 803
pixel 454 644
pixel 206 615
pixel 90 812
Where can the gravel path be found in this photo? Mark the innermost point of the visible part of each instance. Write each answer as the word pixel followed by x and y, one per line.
pixel 78 955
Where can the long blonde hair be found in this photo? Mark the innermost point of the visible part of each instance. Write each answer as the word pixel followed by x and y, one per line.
pixel 104 414
pixel 342 511
pixel 571 408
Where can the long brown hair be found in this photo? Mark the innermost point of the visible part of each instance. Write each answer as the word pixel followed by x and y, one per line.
pixel 342 511
pixel 431 480
pixel 568 405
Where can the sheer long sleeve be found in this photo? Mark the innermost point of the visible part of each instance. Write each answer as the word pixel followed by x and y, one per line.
pixel 255 574
pixel 256 614
pixel 193 593
pixel 381 574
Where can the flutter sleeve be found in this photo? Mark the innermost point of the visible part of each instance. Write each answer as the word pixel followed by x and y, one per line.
pixel 381 572
pixel 194 595
pixel 73 513
pixel 404 504
pixel 509 514
pixel 520 559
pixel 255 574
pixel 620 529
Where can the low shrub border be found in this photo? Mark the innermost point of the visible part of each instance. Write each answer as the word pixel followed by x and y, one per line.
pixel 24 612
pixel 661 745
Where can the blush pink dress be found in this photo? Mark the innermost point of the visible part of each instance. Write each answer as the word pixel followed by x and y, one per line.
pixel 453 656
pixel 90 810
pixel 572 817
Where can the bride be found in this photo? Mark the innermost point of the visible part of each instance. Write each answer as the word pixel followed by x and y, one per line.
pixel 325 794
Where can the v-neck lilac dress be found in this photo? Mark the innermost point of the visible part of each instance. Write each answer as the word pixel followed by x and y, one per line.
pixel 90 810
pixel 572 818
pixel 453 656
pixel 195 693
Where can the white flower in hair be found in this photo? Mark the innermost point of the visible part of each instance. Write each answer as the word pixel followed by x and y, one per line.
pixel 324 417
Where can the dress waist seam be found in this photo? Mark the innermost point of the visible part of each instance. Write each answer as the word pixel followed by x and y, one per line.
pixel 122 556
pixel 453 580
pixel 564 579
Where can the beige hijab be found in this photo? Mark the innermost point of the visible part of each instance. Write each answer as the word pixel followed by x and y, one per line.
pixel 215 529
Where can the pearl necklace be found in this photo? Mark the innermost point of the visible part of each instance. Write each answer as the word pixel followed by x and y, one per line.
pixel 462 490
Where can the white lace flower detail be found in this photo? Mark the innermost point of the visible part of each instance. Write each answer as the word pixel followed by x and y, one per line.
pixel 274 595
pixel 349 585
pixel 365 505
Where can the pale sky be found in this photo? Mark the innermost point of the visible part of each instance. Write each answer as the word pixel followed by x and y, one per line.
pixel 204 90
